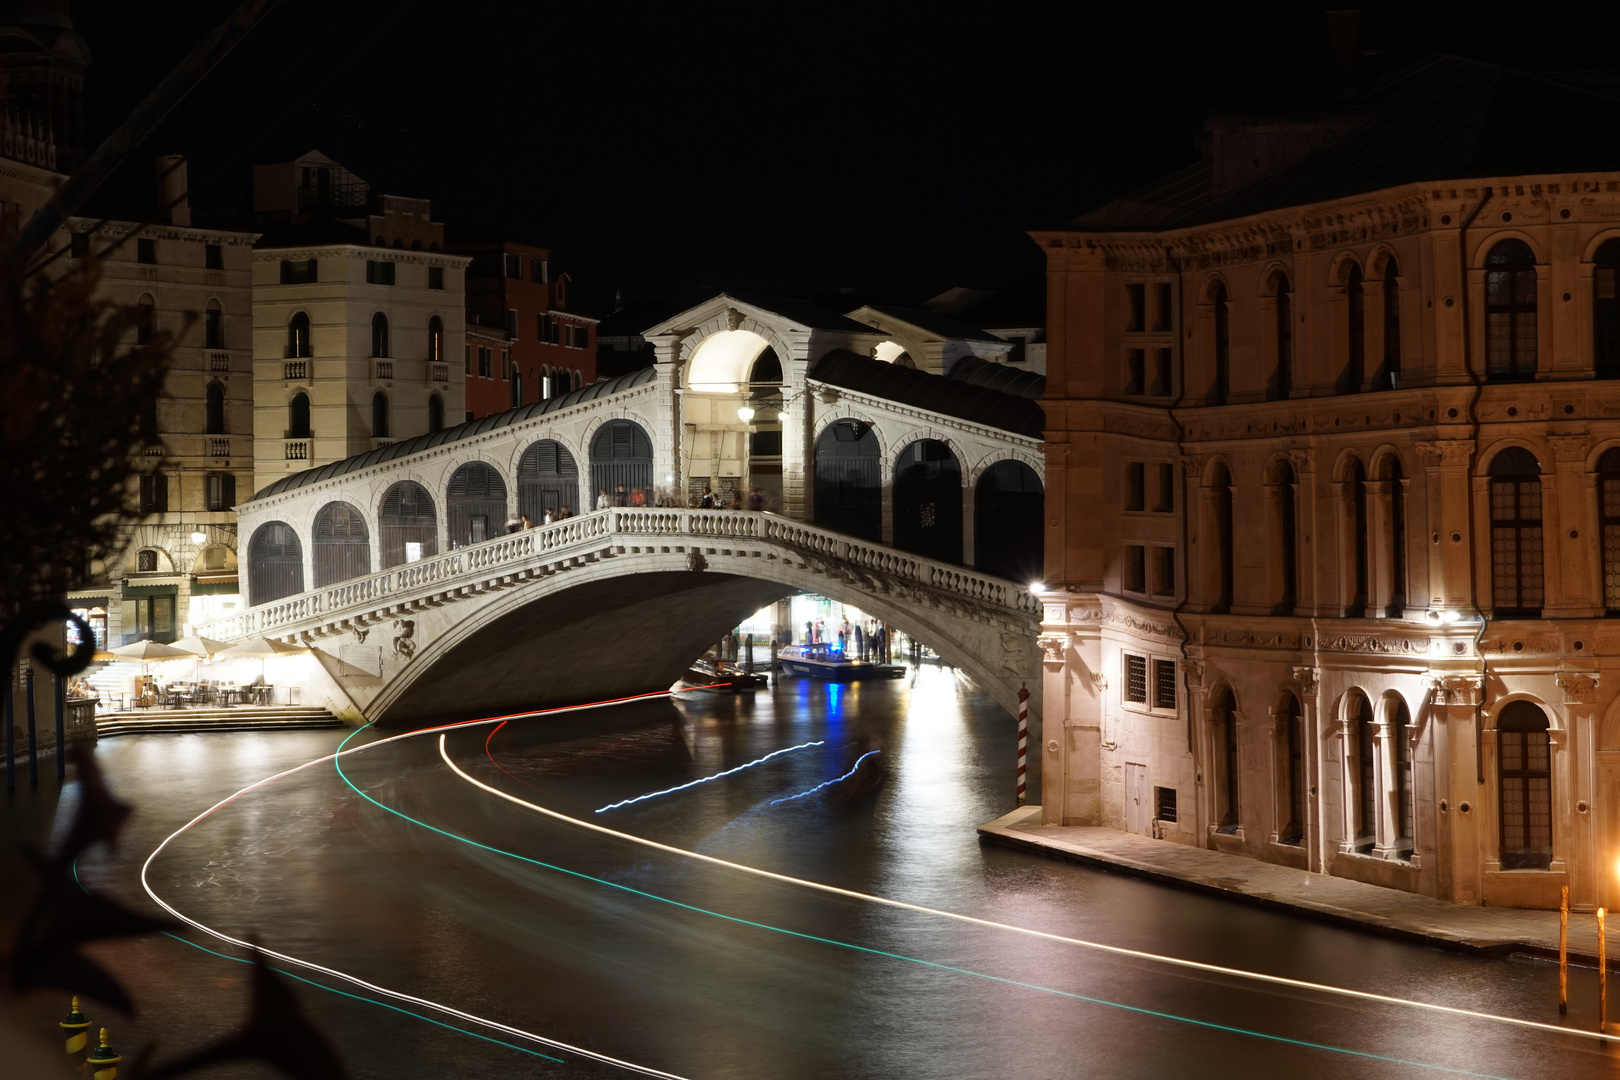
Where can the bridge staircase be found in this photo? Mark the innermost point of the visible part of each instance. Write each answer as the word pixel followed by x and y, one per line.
pixel 233 718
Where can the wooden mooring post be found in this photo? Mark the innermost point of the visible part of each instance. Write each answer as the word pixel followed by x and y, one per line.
pixel 1563 953
pixel 1603 974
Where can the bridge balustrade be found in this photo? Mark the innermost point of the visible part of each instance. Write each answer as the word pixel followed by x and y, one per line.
pixel 513 552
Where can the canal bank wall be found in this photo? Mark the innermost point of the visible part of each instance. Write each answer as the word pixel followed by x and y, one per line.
pixel 1356 905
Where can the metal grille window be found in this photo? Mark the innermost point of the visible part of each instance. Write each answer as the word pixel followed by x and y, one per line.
pixel 145 562
pixel 1516 537
pixel 1136 679
pixel 1510 311
pixel 1525 775
pixel 1164 801
pixel 1609 518
pixel 1164 684
pixel 1606 311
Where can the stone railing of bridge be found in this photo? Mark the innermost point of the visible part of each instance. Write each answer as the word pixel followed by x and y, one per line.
pixel 514 558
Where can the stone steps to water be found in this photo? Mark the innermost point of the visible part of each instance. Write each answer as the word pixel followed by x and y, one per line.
pixel 240 718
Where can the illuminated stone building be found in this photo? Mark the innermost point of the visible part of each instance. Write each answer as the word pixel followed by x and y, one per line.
pixel 1333 475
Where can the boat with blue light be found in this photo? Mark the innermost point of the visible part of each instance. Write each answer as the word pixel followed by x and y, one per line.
pixel 826 661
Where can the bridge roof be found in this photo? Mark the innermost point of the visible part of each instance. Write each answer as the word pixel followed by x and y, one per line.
pixel 406 447
pixel 961 398
pixel 1008 380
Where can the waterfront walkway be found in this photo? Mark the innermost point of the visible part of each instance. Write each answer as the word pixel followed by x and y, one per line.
pixel 1485 930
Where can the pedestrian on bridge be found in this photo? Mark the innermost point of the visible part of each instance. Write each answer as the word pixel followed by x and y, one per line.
pixel 860 642
pixel 602 500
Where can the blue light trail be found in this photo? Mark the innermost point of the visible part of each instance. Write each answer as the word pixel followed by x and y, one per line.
pixel 829 783
pixel 716 776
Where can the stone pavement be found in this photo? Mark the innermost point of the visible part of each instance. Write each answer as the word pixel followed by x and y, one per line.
pixel 1353 904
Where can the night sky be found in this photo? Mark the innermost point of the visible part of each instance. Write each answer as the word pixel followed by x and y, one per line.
pixel 679 149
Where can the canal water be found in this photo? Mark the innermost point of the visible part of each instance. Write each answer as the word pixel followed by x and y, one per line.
pixel 404 874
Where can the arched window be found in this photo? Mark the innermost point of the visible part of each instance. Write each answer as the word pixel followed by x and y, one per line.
pixel 298 336
pixel 476 504
pixel 547 479
pixel 435 339
pixel 342 544
pixel 1524 777
pixel 1282 380
pixel 1609 522
pixel 1220 510
pixel 928 501
pixel 1392 540
pixel 275 563
pixel 298 416
pixel 145 319
pixel 215 409
pixel 1223 346
pixel 1510 312
pixel 1364 770
pixel 213 326
pixel 1405 822
pixel 621 460
pixel 1355 362
pixel 1008 522
pixel 1284 543
pixel 1606 310
pixel 1392 326
pixel 435 412
pixel 379 335
pixel 1355 512
pixel 407 528
pixel 849 480
pixel 1224 737
pixel 1516 542
pixel 1291 777
pixel 379 415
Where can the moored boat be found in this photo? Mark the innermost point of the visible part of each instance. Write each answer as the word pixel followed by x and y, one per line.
pixel 824 661
pixel 724 676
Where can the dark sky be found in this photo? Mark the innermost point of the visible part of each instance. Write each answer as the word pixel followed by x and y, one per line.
pixel 681 148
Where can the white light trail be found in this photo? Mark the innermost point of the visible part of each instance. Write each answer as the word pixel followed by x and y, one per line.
pixel 706 779
pixel 1114 950
pixel 353 980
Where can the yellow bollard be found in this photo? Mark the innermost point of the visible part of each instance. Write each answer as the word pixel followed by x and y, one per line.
pixel 1563 954
pixel 76 1028
pixel 103 1060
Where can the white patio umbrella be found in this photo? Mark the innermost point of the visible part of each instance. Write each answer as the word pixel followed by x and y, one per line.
pixel 262 648
pixel 200 648
pixel 147 650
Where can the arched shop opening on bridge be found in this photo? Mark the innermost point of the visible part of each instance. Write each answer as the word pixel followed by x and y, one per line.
pixel 733 405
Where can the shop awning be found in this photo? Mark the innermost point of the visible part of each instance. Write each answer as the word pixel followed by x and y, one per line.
pixel 131 589
pixel 215 585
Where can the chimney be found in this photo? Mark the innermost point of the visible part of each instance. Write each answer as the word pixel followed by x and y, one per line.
pixel 1344 52
pixel 173 190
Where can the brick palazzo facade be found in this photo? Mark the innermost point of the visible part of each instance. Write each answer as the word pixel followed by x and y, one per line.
pixel 1333 492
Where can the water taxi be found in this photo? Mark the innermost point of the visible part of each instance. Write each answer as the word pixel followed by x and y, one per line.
pixel 824 661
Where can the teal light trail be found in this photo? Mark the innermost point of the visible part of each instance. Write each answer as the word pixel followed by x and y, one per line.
pixel 337 763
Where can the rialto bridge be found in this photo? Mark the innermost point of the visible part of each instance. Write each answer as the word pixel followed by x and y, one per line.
pixel 913 495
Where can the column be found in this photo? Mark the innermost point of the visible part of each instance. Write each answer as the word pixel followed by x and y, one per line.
pixel 1315 840
pixel 1451 521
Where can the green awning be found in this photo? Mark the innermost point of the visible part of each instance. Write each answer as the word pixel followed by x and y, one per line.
pixel 215 588
pixel 131 591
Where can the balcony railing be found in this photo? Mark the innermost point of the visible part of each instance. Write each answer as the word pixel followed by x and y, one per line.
pixel 439 373
pixel 297 449
pixel 295 370
pixel 153 449
pixel 219 448
pixel 383 370
pixel 219 361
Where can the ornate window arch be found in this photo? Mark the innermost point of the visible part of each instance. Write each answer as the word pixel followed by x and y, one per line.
pixel 1517 572
pixel 1226 762
pixel 1524 786
pixel 1354 376
pixel 379 335
pixel 298 336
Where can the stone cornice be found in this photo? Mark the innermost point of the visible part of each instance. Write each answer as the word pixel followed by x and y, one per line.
pixel 362 251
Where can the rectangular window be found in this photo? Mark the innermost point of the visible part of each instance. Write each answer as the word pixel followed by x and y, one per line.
pixel 466 359
pixel 298 271
pixel 154 493
pixel 1160 385
pixel 1135 485
pixel 1164 684
pixel 1164 803
pixel 1018 354
pixel 435 277
pixel 146 251
pixel 506 364
pixel 537 271
pixel 1135 361
pixel 213 257
pixel 1162 310
pixel 221 491
pixel 1164 571
pixel 514 267
pixel 1135 568
pixel 1165 503
pixel 582 337
pixel 1136 679
pixel 1135 308
pixel 486 362
pixel 213 328
pixel 511 322
pixel 79 245
pixel 379 273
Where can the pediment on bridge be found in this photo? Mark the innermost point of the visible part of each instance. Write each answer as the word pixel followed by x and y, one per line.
pixel 734 310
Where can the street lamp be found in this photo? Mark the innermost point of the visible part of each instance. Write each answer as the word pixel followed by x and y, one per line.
pixel 199 537
pixel 745 414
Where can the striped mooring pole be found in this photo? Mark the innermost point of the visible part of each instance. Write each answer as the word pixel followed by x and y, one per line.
pixel 75 1029
pixel 1023 738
